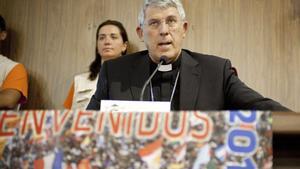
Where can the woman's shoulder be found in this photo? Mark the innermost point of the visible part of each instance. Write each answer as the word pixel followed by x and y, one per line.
pixel 82 81
pixel 84 75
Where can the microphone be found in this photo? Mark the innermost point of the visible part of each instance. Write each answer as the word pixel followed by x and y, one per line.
pixel 163 60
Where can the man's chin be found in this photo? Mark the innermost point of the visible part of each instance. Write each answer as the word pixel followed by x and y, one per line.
pixel 169 55
pixel 168 58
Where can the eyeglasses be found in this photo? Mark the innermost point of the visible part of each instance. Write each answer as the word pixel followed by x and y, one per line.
pixel 171 22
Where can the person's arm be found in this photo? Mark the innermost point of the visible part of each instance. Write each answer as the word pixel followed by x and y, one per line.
pixel 9 98
pixel 69 100
pixel 14 89
pixel 239 96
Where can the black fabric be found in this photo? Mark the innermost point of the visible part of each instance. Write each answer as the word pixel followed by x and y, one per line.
pixel 163 84
pixel 206 83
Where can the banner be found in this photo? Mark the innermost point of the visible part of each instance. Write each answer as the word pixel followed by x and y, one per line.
pixel 54 139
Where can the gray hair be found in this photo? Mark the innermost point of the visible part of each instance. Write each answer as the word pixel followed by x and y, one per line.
pixel 161 4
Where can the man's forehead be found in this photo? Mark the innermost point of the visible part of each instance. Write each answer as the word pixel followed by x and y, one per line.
pixel 153 12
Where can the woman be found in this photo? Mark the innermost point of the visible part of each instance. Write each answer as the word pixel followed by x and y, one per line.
pixel 112 42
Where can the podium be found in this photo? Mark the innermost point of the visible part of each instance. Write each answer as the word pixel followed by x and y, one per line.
pixel 133 140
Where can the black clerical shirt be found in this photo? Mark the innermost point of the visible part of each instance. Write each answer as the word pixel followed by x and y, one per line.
pixel 163 84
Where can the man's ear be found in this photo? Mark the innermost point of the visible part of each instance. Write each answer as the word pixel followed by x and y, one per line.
pixel 185 28
pixel 140 33
pixel 3 35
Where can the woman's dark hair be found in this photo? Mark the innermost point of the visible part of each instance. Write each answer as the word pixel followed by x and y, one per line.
pixel 2 24
pixel 96 64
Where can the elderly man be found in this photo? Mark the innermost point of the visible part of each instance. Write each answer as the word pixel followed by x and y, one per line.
pixel 188 80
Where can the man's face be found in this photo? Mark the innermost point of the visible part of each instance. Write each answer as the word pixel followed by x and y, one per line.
pixel 163 32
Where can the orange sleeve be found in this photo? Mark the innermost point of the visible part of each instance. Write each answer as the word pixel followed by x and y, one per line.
pixel 69 99
pixel 17 79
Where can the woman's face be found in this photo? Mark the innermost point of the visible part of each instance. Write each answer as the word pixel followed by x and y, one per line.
pixel 110 44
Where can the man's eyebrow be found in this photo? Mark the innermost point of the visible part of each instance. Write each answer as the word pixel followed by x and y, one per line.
pixel 169 16
pixel 172 16
pixel 153 19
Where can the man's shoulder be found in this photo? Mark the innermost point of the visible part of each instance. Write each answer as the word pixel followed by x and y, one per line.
pixel 201 57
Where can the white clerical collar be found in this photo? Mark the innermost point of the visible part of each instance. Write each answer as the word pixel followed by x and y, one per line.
pixel 165 68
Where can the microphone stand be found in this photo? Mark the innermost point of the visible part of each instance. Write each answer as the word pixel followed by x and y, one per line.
pixel 163 60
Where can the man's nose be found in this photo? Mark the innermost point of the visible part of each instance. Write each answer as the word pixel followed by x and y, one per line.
pixel 164 29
